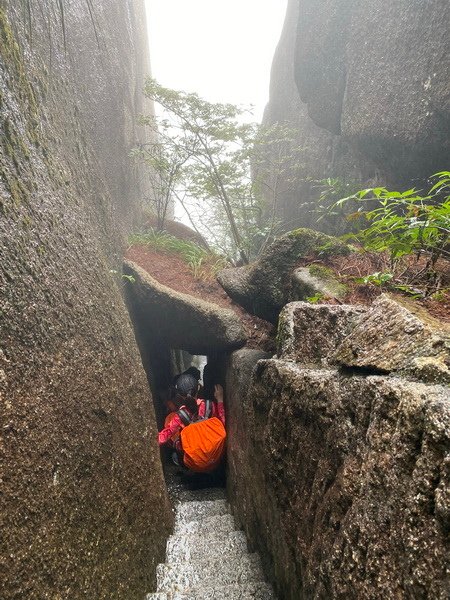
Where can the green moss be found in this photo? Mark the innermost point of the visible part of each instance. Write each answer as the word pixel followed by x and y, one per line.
pixel 328 280
pixel 281 333
pixel 12 57
pixel 321 272
pixel 27 222
pixel 321 244
pixel 14 144
pixel 17 190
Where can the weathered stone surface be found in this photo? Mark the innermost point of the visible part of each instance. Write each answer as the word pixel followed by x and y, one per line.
pixel 264 287
pixel 84 507
pixel 339 480
pixel 210 564
pixel 320 153
pixel 369 107
pixel 408 139
pixel 395 337
pixel 310 333
pixel 182 321
pixel 315 280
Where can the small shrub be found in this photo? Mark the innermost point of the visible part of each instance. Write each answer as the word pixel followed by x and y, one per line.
pixel 377 279
pixel 407 222
pixel 316 298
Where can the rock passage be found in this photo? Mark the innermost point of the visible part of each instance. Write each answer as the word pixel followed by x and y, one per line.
pixel 207 557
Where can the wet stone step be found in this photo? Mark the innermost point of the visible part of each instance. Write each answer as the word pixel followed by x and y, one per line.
pixel 183 548
pixel 243 591
pixel 210 572
pixel 220 524
pixel 197 510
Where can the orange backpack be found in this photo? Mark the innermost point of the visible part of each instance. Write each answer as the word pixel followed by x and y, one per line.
pixel 203 441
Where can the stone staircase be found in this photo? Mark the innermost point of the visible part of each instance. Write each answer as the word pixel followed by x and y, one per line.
pixel 207 558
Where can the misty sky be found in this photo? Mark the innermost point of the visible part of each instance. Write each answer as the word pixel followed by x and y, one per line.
pixel 221 49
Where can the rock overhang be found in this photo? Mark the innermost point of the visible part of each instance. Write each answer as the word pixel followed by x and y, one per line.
pixel 179 320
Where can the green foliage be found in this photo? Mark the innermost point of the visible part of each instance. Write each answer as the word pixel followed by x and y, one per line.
pixel 378 279
pixel 339 218
pixel 409 290
pixel 209 141
pixel 441 295
pixel 194 255
pixel 316 298
pixel 164 173
pixel 161 240
pixel 407 222
pixel 129 278
pixel 276 163
pixel 212 152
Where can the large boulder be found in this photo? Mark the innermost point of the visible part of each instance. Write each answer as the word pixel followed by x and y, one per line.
pixel 85 513
pixel 340 479
pixel 314 154
pixel 265 286
pixel 398 337
pixel 364 86
pixel 180 320
pixel 310 333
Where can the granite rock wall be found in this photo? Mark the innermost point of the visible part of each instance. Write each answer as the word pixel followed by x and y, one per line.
pixel 365 87
pixel 84 506
pixel 339 476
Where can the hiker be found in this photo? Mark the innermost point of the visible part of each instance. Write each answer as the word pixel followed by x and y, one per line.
pixel 170 404
pixel 197 430
pixel 190 371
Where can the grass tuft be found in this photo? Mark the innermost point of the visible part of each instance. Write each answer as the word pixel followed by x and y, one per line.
pixel 201 262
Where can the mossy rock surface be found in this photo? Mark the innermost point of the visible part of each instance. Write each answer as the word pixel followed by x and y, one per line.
pixel 263 288
pixel 398 337
pixel 318 281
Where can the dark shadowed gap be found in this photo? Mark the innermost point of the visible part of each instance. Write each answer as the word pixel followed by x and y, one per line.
pixel 162 363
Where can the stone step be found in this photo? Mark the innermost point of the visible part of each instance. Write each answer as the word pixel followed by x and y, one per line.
pixel 243 591
pixel 220 524
pixel 197 510
pixel 211 572
pixel 183 548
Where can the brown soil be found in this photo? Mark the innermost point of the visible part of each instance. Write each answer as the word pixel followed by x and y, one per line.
pixel 172 271
pixel 407 272
pixel 178 230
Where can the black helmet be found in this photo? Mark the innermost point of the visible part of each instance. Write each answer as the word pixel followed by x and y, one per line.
pixel 194 372
pixel 186 385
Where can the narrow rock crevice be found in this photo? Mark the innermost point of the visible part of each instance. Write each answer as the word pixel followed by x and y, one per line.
pixel 207 556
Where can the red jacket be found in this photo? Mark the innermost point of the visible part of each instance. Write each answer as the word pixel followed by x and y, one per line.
pixel 176 424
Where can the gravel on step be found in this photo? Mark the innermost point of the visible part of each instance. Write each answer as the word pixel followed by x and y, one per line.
pixel 210 572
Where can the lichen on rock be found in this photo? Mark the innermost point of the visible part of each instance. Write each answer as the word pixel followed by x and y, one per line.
pixel 395 337
pixel 310 333
pixel 340 480
pixel 316 280
pixel 85 508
